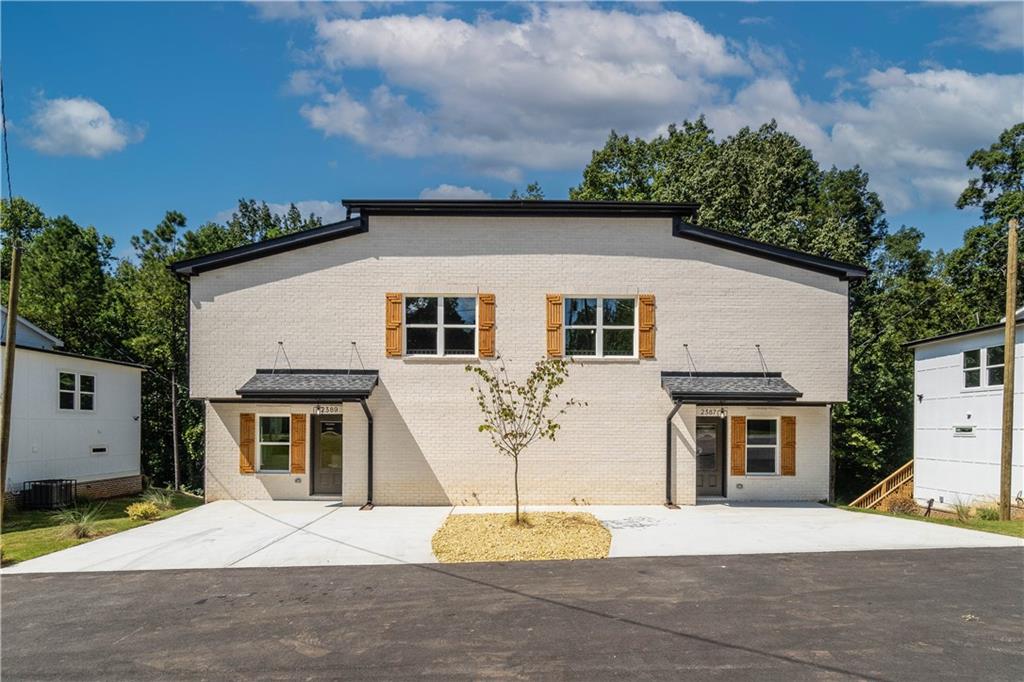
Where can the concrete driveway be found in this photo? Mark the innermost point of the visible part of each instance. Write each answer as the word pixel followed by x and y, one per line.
pixel 248 534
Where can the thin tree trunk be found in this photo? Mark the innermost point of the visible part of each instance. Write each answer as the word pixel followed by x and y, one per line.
pixel 515 478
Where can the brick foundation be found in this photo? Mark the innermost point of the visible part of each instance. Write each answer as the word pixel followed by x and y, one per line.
pixel 110 487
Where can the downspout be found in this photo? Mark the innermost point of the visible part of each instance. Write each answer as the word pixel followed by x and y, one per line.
pixel 369 456
pixel 668 456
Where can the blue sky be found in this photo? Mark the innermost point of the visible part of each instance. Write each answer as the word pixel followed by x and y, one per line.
pixel 121 111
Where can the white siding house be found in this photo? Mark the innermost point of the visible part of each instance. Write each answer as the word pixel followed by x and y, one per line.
pixel 331 361
pixel 73 417
pixel 958 409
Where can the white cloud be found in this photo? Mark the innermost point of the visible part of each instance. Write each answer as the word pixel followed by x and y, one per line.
pixel 1001 26
pixel 543 91
pixel 77 126
pixel 453 192
pixel 756 21
pixel 327 211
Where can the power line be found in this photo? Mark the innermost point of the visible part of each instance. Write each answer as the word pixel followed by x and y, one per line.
pixel 7 157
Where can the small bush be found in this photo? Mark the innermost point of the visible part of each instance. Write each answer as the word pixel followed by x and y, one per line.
pixel 161 499
pixel 79 522
pixel 962 511
pixel 987 513
pixel 142 511
pixel 902 504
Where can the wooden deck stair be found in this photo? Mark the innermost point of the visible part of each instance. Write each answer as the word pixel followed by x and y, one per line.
pixel 896 481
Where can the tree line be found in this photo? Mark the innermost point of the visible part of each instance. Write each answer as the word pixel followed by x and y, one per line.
pixel 759 183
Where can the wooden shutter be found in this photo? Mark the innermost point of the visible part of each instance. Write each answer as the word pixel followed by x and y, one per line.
pixel 555 325
pixel 788 464
pixel 485 345
pixel 646 325
pixel 738 449
pixel 393 325
pixel 247 443
pixel 298 422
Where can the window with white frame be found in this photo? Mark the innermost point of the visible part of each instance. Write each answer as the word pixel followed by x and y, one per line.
pixel 600 327
pixel 76 390
pixel 440 325
pixel 762 445
pixel 274 442
pixel 983 367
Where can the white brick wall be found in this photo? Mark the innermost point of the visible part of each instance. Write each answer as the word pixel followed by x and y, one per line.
pixel 427 449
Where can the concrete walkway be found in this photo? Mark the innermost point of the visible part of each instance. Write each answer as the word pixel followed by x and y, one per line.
pixel 248 534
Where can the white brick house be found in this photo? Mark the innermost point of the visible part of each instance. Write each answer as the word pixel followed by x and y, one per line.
pixel 331 361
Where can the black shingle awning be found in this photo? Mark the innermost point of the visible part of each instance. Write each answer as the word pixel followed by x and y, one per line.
pixel 728 387
pixel 309 384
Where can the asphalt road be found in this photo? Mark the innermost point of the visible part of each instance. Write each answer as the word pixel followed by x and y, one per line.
pixel 924 614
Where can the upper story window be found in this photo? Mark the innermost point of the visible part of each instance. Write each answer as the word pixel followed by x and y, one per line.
pixel 762 445
pixel 600 327
pixel 274 443
pixel 440 325
pixel 76 390
pixel 983 367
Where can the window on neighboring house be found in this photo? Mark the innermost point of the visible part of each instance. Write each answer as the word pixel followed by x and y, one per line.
pixel 440 325
pixel 76 390
pixel 66 389
pixel 972 368
pixel 274 443
pixel 994 362
pixel 762 445
pixel 600 327
pixel 984 367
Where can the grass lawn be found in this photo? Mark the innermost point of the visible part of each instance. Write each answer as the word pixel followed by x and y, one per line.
pixel 1013 527
pixel 28 534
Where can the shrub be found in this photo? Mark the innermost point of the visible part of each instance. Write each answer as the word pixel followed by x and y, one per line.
pixel 901 504
pixel 79 523
pixel 987 513
pixel 962 511
pixel 142 511
pixel 161 499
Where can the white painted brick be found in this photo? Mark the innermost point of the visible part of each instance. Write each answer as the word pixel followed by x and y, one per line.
pixel 427 448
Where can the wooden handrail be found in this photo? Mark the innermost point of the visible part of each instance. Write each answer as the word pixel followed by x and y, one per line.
pixel 885 487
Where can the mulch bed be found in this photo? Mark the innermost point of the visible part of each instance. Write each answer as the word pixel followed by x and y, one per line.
pixel 541 536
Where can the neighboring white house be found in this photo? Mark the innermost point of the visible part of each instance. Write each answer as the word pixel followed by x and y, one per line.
pixel 958 410
pixel 73 417
pixel 331 360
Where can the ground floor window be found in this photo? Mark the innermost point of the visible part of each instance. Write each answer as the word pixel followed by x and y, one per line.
pixel 274 443
pixel 762 445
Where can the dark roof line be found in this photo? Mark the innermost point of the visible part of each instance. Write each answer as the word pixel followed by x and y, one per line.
pixel 78 356
pixel 780 254
pixel 194 266
pixel 623 209
pixel 966 332
pixel 519 207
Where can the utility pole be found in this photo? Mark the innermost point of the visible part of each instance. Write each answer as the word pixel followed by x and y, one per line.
pixel 174 427
pixel 1009 355
pixel 10 339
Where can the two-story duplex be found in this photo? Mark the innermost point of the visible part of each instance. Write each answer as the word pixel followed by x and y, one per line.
pixel 331 361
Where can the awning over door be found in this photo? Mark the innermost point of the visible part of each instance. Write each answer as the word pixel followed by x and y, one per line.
pixel 304 385
pixel 728 387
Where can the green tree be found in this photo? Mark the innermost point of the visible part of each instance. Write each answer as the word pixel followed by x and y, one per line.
pixel 533 192
pixel 1000 189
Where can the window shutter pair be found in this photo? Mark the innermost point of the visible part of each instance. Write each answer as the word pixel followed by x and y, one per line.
pixel 645 318
pixel 738 446
pixel 393 325
pixel 247 443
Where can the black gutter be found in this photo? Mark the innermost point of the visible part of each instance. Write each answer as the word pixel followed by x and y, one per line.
pixel 369 457
pixel 828 266
pixel 735 398
pixel 515 207
pixel 193 266
pixel 952 335
pixel 305 396
pixel 668 456
pixel 78 356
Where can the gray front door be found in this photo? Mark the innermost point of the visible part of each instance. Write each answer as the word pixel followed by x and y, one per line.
pixel 327 451
pixel 709 458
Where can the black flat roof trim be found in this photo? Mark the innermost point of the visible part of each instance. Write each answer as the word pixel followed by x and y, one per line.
pixel 290 400
pixel 716 397
pixel 269 247
pixel 828 266
pixel 289 370
pixel 700 402
pixel 953 335
pixel 79 356
pixel 303 394
pixel 755 375
pixel 518 207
